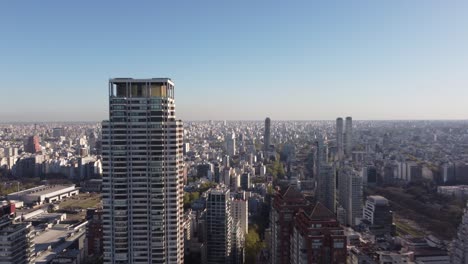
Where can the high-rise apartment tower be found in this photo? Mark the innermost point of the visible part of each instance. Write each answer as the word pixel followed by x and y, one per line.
pixel 339 138
pixel 267 135
pixel 348 136
pixel 142 174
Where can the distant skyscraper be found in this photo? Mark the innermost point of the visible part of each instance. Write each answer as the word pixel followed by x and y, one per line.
pixel 58 132
pixel 32 144
pixel 348 136
pixel 245 181
pixel 231 144
pixel 267 135
pixel 350 194
pixel 142 174
pixel 326 189
pixel 339 138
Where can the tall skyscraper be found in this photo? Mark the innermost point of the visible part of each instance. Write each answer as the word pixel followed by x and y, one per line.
pixel 230 142
pixel 267 135
pixel 348 136
pixel 142 174
pixel 339 138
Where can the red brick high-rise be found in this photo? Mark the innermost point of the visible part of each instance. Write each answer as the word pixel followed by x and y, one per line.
pixel 32 145
pixel 302 233
pixel 317 238
pixel 285 205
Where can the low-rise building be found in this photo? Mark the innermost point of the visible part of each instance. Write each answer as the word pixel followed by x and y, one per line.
pixel 44 194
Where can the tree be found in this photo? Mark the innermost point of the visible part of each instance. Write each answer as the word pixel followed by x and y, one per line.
pixel 253 245
pixel 189 198
pixel 205 186
pixel 194 196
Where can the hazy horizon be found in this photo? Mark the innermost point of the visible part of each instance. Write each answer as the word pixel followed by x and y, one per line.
pixel 399 60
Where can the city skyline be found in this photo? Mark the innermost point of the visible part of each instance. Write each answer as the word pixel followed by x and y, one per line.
pixel 390 61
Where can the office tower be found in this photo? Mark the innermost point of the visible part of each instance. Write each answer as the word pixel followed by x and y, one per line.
pixel 339 138
pixel 414 171
pixel 219 226
pixel 350 194
pixel 240 213
pixel 142 174
pixel 369 175
pixel 285 204
pixel 186 148
pixel 217 172
pixel 58 132
pixel 459 249
pixel 231 144
pixel 326 188
pixel 245 181
pixel 226 161
pixel 320 154
pixel 317 237
pixel 267 135
pixel 447 171
pixel 16 242
pixel 377 215
pixel 32 144
pixel 348 140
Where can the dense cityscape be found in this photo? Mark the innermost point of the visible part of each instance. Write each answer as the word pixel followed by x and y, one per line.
pixel 144 187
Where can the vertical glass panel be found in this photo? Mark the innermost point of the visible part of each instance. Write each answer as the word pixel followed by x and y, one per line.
pixel 121 90
pixel 158 90
pixel 138 90
pixel 155 90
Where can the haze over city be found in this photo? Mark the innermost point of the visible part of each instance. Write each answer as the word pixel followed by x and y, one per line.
pixel 238 60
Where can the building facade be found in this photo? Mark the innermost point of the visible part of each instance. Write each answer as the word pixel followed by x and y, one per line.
pixel 378 215
pixel 16 244
pixel 286 203
pixel 459 250
pixel 142 174
pixel 350 192
pixel 219 227
pixel 317 238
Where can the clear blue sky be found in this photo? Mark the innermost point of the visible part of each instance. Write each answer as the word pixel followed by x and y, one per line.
pixel 238 59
